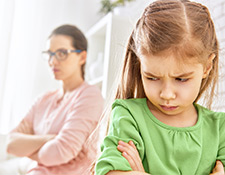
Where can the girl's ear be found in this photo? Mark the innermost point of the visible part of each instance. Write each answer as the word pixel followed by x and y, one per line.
pixel 209 65
pixel 82 57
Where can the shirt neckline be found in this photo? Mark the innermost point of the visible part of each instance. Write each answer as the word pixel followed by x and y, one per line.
pixel 68 94
pixel 158 122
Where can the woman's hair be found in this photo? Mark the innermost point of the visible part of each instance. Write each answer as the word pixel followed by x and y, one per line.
pixel 179 27
pixel 79 41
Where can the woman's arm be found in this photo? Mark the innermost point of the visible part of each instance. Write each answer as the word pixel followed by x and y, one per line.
pixel 24 145
pixel 77 127
pixel 22 142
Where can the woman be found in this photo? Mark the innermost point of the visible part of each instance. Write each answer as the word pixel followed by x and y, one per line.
pixel 56 129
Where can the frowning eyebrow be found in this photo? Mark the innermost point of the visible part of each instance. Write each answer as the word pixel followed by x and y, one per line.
pixel 174 76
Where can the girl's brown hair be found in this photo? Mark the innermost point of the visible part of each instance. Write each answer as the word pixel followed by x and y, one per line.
pixel 180 27
pixel 79 41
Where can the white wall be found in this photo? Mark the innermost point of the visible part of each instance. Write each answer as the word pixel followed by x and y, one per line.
pixel 217 10
pixel 24 28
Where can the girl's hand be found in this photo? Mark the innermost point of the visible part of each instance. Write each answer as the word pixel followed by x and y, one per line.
pixel 218 169
pixel 130 152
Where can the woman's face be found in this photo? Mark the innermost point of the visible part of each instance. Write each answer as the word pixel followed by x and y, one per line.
pixel 68 69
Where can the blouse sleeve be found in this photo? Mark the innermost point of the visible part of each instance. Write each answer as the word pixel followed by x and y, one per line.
pixel 221 152
pixel 123 127
pixel 81 121
pixel 31 113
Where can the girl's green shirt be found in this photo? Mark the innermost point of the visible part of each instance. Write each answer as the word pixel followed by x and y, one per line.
pixel 164 150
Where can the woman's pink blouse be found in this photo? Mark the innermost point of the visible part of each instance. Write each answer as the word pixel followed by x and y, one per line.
pixel 72 120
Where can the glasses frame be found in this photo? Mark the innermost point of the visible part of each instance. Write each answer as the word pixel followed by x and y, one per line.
pixel 51 54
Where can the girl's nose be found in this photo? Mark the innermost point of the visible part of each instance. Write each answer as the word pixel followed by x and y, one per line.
pixel 168 92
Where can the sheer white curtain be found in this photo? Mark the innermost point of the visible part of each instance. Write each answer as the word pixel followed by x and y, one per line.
pixel 6 23
pixel 20 46
pixel 24 28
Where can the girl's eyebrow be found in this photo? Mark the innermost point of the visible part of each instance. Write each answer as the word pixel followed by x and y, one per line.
pixel 179 75
pixel 151 75
pixel 184 74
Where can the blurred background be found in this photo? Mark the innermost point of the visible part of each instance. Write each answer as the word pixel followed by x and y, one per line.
pixel 25 26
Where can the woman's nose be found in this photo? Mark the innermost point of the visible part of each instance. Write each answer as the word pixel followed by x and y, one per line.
pixel 52 60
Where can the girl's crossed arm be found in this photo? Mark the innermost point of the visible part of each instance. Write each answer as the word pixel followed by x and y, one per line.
pixel 130 152
pixel 126 173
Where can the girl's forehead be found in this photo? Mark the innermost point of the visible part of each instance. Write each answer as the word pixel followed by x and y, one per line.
pixel 168 63
pixel 169 57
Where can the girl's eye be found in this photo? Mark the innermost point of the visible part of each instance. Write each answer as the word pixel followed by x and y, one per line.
pixel 152 78
pixel 182 79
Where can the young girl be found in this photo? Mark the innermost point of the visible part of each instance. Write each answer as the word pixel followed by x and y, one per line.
pixel 56 130
pixel 171 61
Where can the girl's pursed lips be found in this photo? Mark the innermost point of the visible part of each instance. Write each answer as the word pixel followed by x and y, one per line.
pixel 168 108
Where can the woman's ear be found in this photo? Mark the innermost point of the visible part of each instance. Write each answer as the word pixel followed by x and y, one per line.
pixel 82 57
pixel 209 65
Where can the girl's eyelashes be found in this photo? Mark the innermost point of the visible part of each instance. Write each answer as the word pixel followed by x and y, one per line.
pixel 152 78
pixel 177 79
pixel 182 79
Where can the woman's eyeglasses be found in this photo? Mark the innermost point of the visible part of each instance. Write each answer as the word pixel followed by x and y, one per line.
pixel 60 54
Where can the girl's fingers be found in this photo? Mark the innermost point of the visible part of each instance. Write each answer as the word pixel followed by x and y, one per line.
pixel 130 160
pixel 132 144
pixel 218 169
pixel 139 162
pixel 130 152
pixel 129 149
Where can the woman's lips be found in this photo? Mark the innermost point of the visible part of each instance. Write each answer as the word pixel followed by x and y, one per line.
pixel 55 70
pixel 168 108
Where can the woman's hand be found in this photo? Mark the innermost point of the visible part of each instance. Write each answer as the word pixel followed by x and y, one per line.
pixel 21 144
pixel 130 152
pixel 25 128
pixel 218 169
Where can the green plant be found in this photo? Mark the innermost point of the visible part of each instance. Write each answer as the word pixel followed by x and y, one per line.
pixel 108 6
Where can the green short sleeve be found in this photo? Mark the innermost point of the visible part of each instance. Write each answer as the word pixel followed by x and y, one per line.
pixel 122 127
pixel 221 151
